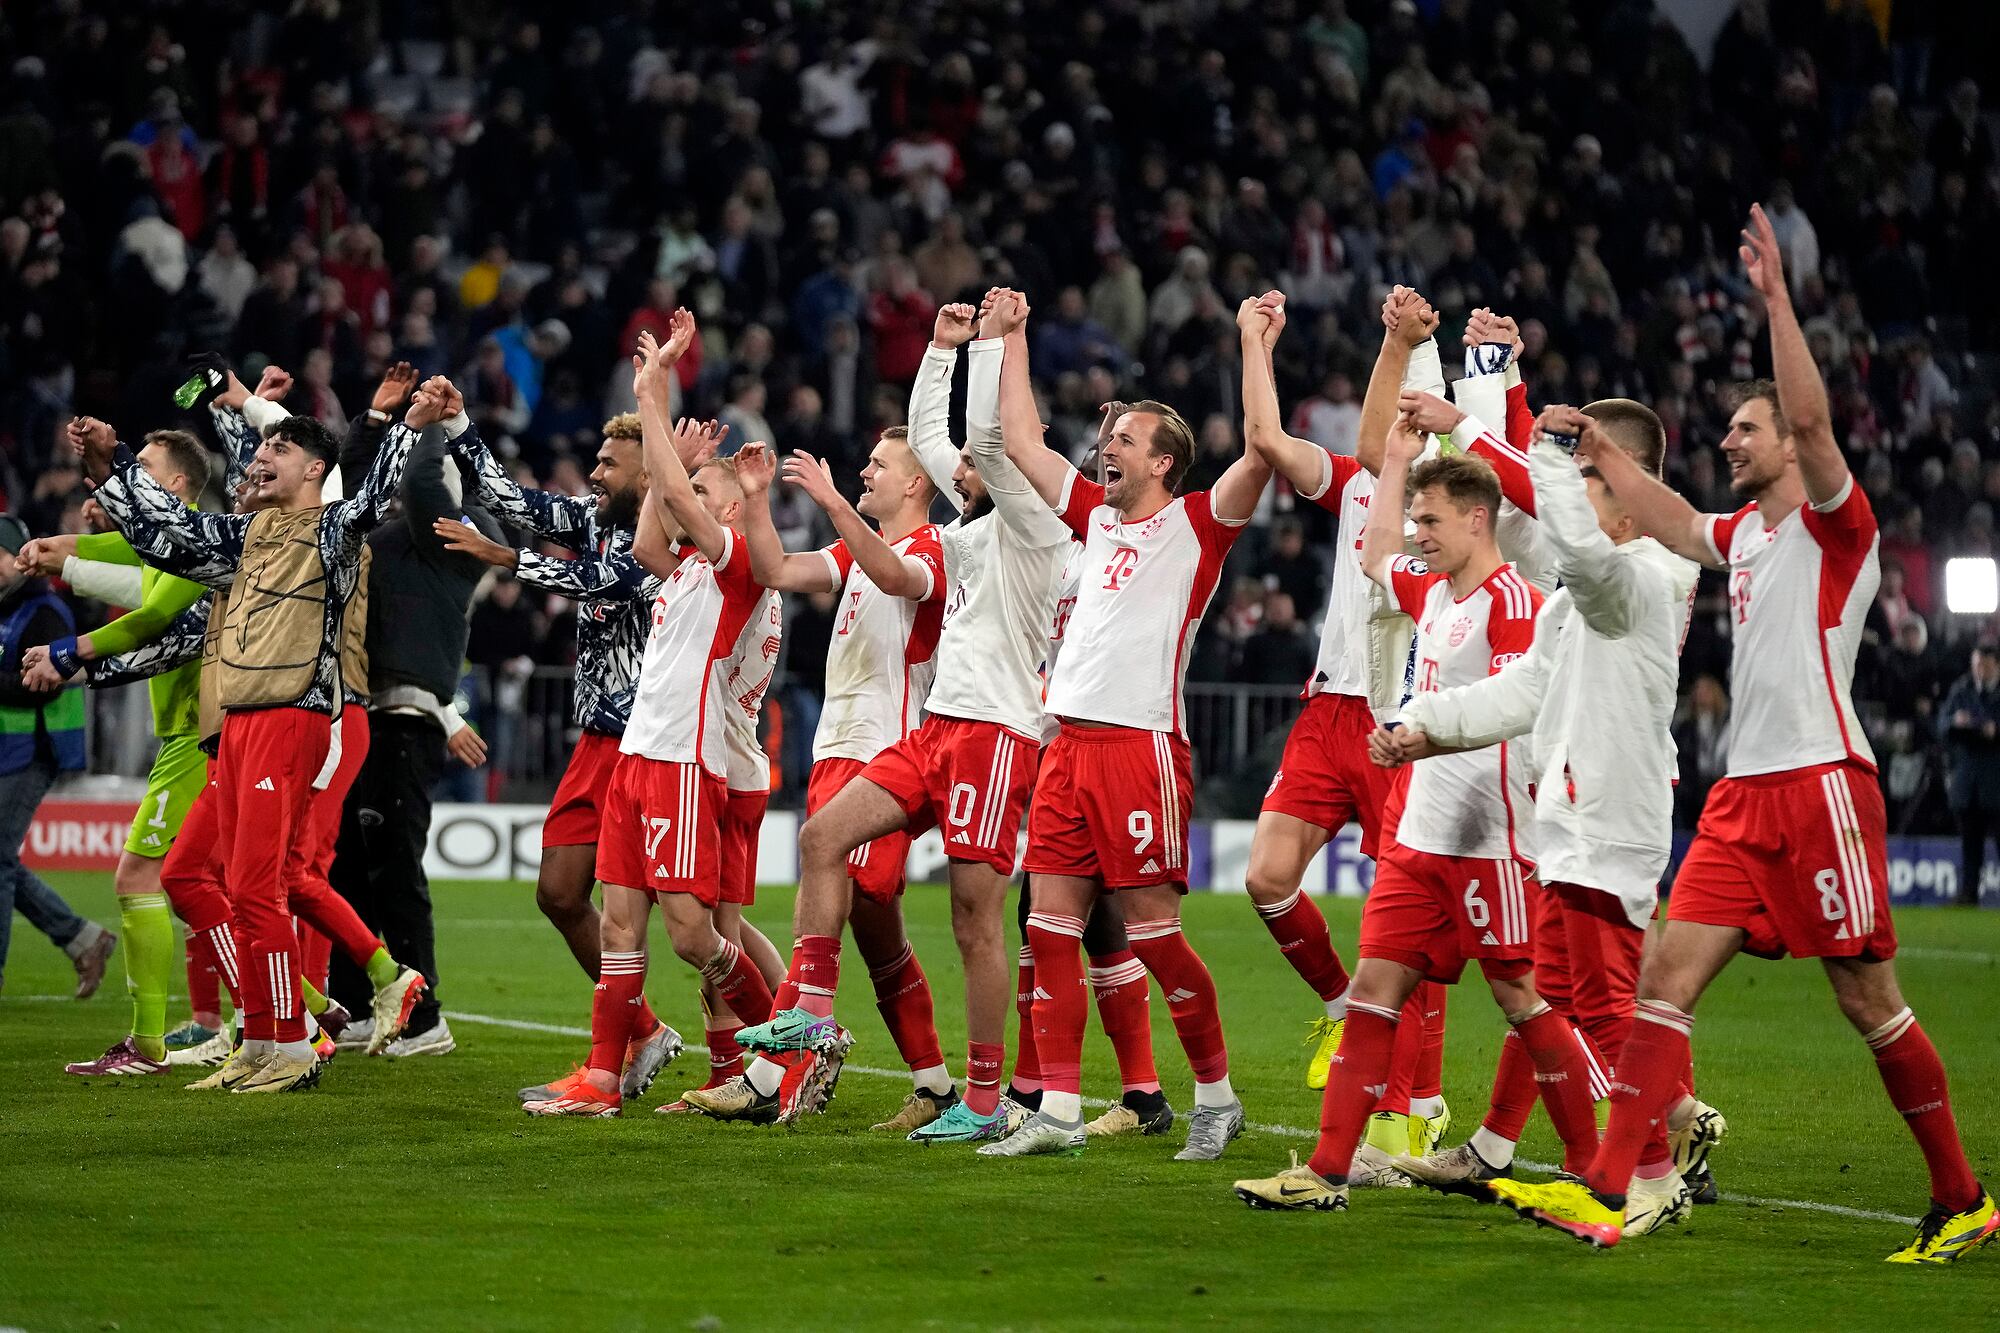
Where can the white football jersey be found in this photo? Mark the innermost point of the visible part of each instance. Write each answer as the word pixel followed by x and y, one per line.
pixel 744 681
pixel 881 660
pixel 1143 589
pixel 1798 595
pixel 680 710
pixel 1361 651
pixel 1474 804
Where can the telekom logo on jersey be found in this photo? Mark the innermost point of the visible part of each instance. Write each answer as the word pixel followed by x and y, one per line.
pixel 1119 568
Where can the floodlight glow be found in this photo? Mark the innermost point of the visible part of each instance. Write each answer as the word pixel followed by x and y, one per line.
pixel 1972 585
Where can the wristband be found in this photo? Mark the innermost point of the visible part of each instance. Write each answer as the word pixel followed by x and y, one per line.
pixel 1488 358
pixel 63 657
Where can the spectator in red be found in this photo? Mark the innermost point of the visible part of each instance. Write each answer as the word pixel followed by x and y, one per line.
pixel 239 176
pixel 356 264
pixel 900 316
pixel 171 164
pixel 322 205
pixel 651 317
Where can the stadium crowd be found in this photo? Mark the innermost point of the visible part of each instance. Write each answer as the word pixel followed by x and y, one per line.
pixel 511 195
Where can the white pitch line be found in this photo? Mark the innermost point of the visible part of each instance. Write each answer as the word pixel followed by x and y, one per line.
pixel 1283 1131
pixel 1955 955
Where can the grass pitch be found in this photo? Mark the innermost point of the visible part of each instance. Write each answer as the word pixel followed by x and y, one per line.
pixel 417 1195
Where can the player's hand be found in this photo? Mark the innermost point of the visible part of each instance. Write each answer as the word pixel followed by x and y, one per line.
pixel 649 372
pixel 460 536
pixel 1108 421
pixel 1409 317
pixel 36 672
pixel 94 441
pixel 695 442
pixel 755 469
pixel 1003 311
pixel 954 326
pixel 234 392
pixel 1395 747
pixel 44 556
pixel 467 746
pixel 1405 443
pixel 1429 413
pixel 95 518
pixel 1273 302
pixel 274 384
pixel 1762 260
pixel 1563 419
pixel 680 333
pixel 398 381
pixel 815 478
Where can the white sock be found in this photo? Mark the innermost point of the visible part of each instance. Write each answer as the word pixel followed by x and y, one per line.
pixel 296 1050
pixel 1424 1108
pixel 1336 1008
pixel 934 1079
pixel 765 1076
pixel 1064 1106
pixel 1492 1149
pixel 1218 1093
pixel 258 1046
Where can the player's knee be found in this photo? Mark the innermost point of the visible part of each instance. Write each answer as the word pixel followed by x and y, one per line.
pixel 1268 883
pixel 558 900
pixel 819 843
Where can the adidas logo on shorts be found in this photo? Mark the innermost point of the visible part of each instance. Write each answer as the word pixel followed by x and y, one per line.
pixel 265 785
pixel 1151 867
pixel 151 840
pixel 660 872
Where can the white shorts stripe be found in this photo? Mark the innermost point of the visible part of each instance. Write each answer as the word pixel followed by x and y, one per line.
pixel 1843 846
pixel 1857 848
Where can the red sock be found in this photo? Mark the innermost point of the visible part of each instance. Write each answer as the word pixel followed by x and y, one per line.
pixel 614 1007
pixel 903 994
pixel 1190 993
pixel 1649 1077
pixel 1915 1080
pixel 725 1057
pixel 1513 1099
pixel 1405 1058
pixel 315 955
pixel 1296 924
pixel 220 943
pixel 983 1060
pixel 1118 980
pixel 738 982
pixel 1360 1068
pixel 1057 942
pixel 204 986
pixel 1027 1064
pixel 1429 1080
pixel 815 974
pixel 1563 1079
pixel 645 1022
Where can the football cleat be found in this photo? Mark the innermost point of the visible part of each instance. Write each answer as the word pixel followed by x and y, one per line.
pixel 1297 1187
pixel 554 1088
pixel 281 1073
pixel 1652 1204
pixel 1323 1035
pixel 123 1058
pixel 392 1006
pixel 1704 1131
pixel 1566 1205
pixel 434 1040
pixel 734 1100
pixel 1428 1131
pixel 324 1047
pixel 580 1098
pixel 1459 1170
pixel 960 1124
pixel 813 1078
pixel 920 1108
pixel 1040 1134
pixel 239 1066
pixel 207 1055
pixel 356 1035
pixel 1210 1128
pixel 1945 1237
pixel 645 1058
pixel 1016 1114
pixel 1373 1169
pixel 1136 1113
pixel 189 1035
pixel 334 1019
pixel 789 1030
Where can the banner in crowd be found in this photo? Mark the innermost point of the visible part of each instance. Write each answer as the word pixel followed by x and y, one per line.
pixel 500 842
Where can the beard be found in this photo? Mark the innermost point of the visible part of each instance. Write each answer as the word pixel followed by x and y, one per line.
pixel 621 508
pixel 977 509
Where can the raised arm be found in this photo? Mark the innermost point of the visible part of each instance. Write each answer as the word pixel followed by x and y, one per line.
pixel 180 644
pixel 897 575
pixel 1303 463
pixel 930 401
pixel 1407 324
pixel 770 566
pixel 1657 509
pixel 1801 391
pixel 1019 507
pixel 1612 593
pixel 1382 537
pixel 161 528
pixel 562 519
pixel 241 417
pixel 671 487
pixel 1006 314
pixel 1236 492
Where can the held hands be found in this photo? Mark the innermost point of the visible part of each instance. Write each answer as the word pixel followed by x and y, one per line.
pixel 1560 420
pixel 427 406
pixel 44 556
pixel 954 327
pixel 755 469
pixel 1428 413
pixel 93 441
pixel 1002 312
pixel 815 478
pixel 1262 318
pixel 695 442
pixel 1486 327
pixel 467 746
pixel 38 673
pixel 1395 747
pixel 460 536
pixel 1408 316
pixel 397 383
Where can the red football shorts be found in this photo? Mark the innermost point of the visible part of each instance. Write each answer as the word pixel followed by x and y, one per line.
pixel 1432 913
pixel 1325 777
pixel 662 830
pixel 578 805
pixel 875 867
pixel 1797 860
pixel 978 774
pixel 1112 804
pixel 742 817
